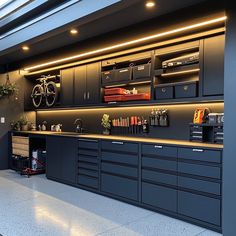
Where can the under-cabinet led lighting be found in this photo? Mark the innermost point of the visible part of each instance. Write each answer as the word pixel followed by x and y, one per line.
pixel 73 31
pixel 25 48
pixel 129 43
pixel 150 4
pixel 180 72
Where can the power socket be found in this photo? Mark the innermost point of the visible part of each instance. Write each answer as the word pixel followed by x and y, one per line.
pixel 3 120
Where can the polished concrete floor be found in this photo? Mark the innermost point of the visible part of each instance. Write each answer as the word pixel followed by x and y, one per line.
pixel 37 206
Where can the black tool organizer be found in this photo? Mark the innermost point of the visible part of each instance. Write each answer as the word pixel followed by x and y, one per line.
pixel 212 133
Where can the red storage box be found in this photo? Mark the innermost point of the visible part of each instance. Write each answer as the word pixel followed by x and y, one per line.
pixel 114 98
pixel 114 91
pixel 134 97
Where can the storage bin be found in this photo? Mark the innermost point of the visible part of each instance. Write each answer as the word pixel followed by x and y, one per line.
pixel 186 90
pixel 108 76
pixel 124 74
pixel 142 71
pixel 114 98
pixel 114 91
pixel 164 92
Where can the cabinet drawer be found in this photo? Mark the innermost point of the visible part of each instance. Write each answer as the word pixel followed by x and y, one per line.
pixel 92 173
pixel 88 181
pixel 159 163
pixel 120 146
pixel 89 159
pixel 200 154
pixel 120 170
pixel 88 166
pixel 88 152
pixel 199 185
pixel 159 150
pixel 199 207
pixel 119 186
pixel 158 196
pixel 120 158
pixel 200 170
pixel 88 144
pixel 159 177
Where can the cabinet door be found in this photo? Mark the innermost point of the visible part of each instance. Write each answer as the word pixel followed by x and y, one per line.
pixel 93 83
pixel 80 93
pixel 213 74
pixel 67 86
pixel 68 159
pixel 54 164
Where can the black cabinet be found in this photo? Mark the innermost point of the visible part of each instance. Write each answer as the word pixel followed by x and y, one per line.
pixel 213 72
pixel 87 84
pixel 61 158
pixel 67 86
pixel 88 163
pixel 80 85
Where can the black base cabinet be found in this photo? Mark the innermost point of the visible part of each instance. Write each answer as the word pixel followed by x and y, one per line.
pixel 178 181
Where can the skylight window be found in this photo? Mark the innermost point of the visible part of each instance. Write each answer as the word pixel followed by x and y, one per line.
pixel 7 7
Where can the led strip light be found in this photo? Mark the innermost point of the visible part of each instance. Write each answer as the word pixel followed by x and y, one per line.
pixel 129 43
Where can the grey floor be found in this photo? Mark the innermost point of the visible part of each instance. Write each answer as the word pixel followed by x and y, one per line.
pixel 37 206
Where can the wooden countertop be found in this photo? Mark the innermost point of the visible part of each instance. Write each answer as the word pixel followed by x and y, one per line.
pixel 185 143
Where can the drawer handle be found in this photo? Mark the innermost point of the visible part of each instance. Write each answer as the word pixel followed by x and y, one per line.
pixel 122 71
pixel 119 143
pixel 88 140
pixel 198 150
pixel 158 146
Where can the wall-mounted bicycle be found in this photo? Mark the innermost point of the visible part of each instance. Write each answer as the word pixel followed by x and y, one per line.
pixel 45 91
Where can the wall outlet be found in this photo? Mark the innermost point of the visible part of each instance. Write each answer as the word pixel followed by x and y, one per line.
pixel 2 120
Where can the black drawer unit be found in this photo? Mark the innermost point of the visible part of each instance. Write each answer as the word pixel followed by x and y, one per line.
pixel 200 207
pixel 88 163
pixel 164 92
pixel 186 90
pixel 142 71
pixel 159 196
pixel 119 146
pixel 119 186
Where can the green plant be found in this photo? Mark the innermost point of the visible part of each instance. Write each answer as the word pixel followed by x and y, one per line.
pixel 106 122
pixel 23 120
pixel 8 89
pixel 15 125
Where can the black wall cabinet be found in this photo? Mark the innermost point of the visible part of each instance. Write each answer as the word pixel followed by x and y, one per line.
pixel 213 74
pixel 81 85
pixel 61 158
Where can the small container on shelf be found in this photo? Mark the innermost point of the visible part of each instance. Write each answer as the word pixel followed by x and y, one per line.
pixel 124 74
pixel 164 91
pixel 114 91
pixel 108 76
pixel 114 98
pixel 186 89
pixel 137 97
pixel 142 71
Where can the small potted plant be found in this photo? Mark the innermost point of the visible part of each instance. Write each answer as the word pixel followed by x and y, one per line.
pixel 15 125
pixel 106 123
pixel 24 123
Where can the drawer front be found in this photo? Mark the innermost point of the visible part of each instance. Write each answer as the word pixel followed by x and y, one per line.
pixel 142 71
pixel 159 150
pixel 88 166
pixel 90 144
pixel 88 181
pixel 199 185
pixel 159 163
pixel 200 170
pixel 119 186
pixel 186 90
pixel 199 207
pixel 164 92
pixel 200 154
pixel 120 158
pixel 92 173
pixel 89 159
pixel 159 177
pixel 120 146
pixel 88 152
pixel 120 170
pixel 158 196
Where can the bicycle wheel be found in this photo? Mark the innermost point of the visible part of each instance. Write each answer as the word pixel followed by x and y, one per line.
pixel 37 95
pixel 51 93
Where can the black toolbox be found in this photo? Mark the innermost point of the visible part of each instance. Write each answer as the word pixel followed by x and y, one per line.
pixel 164 91
pixel 142 71
pixel 186 89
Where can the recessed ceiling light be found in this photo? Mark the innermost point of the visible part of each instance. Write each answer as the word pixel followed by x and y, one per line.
pixel 74 31
pixel 25 48
pixel 150 4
